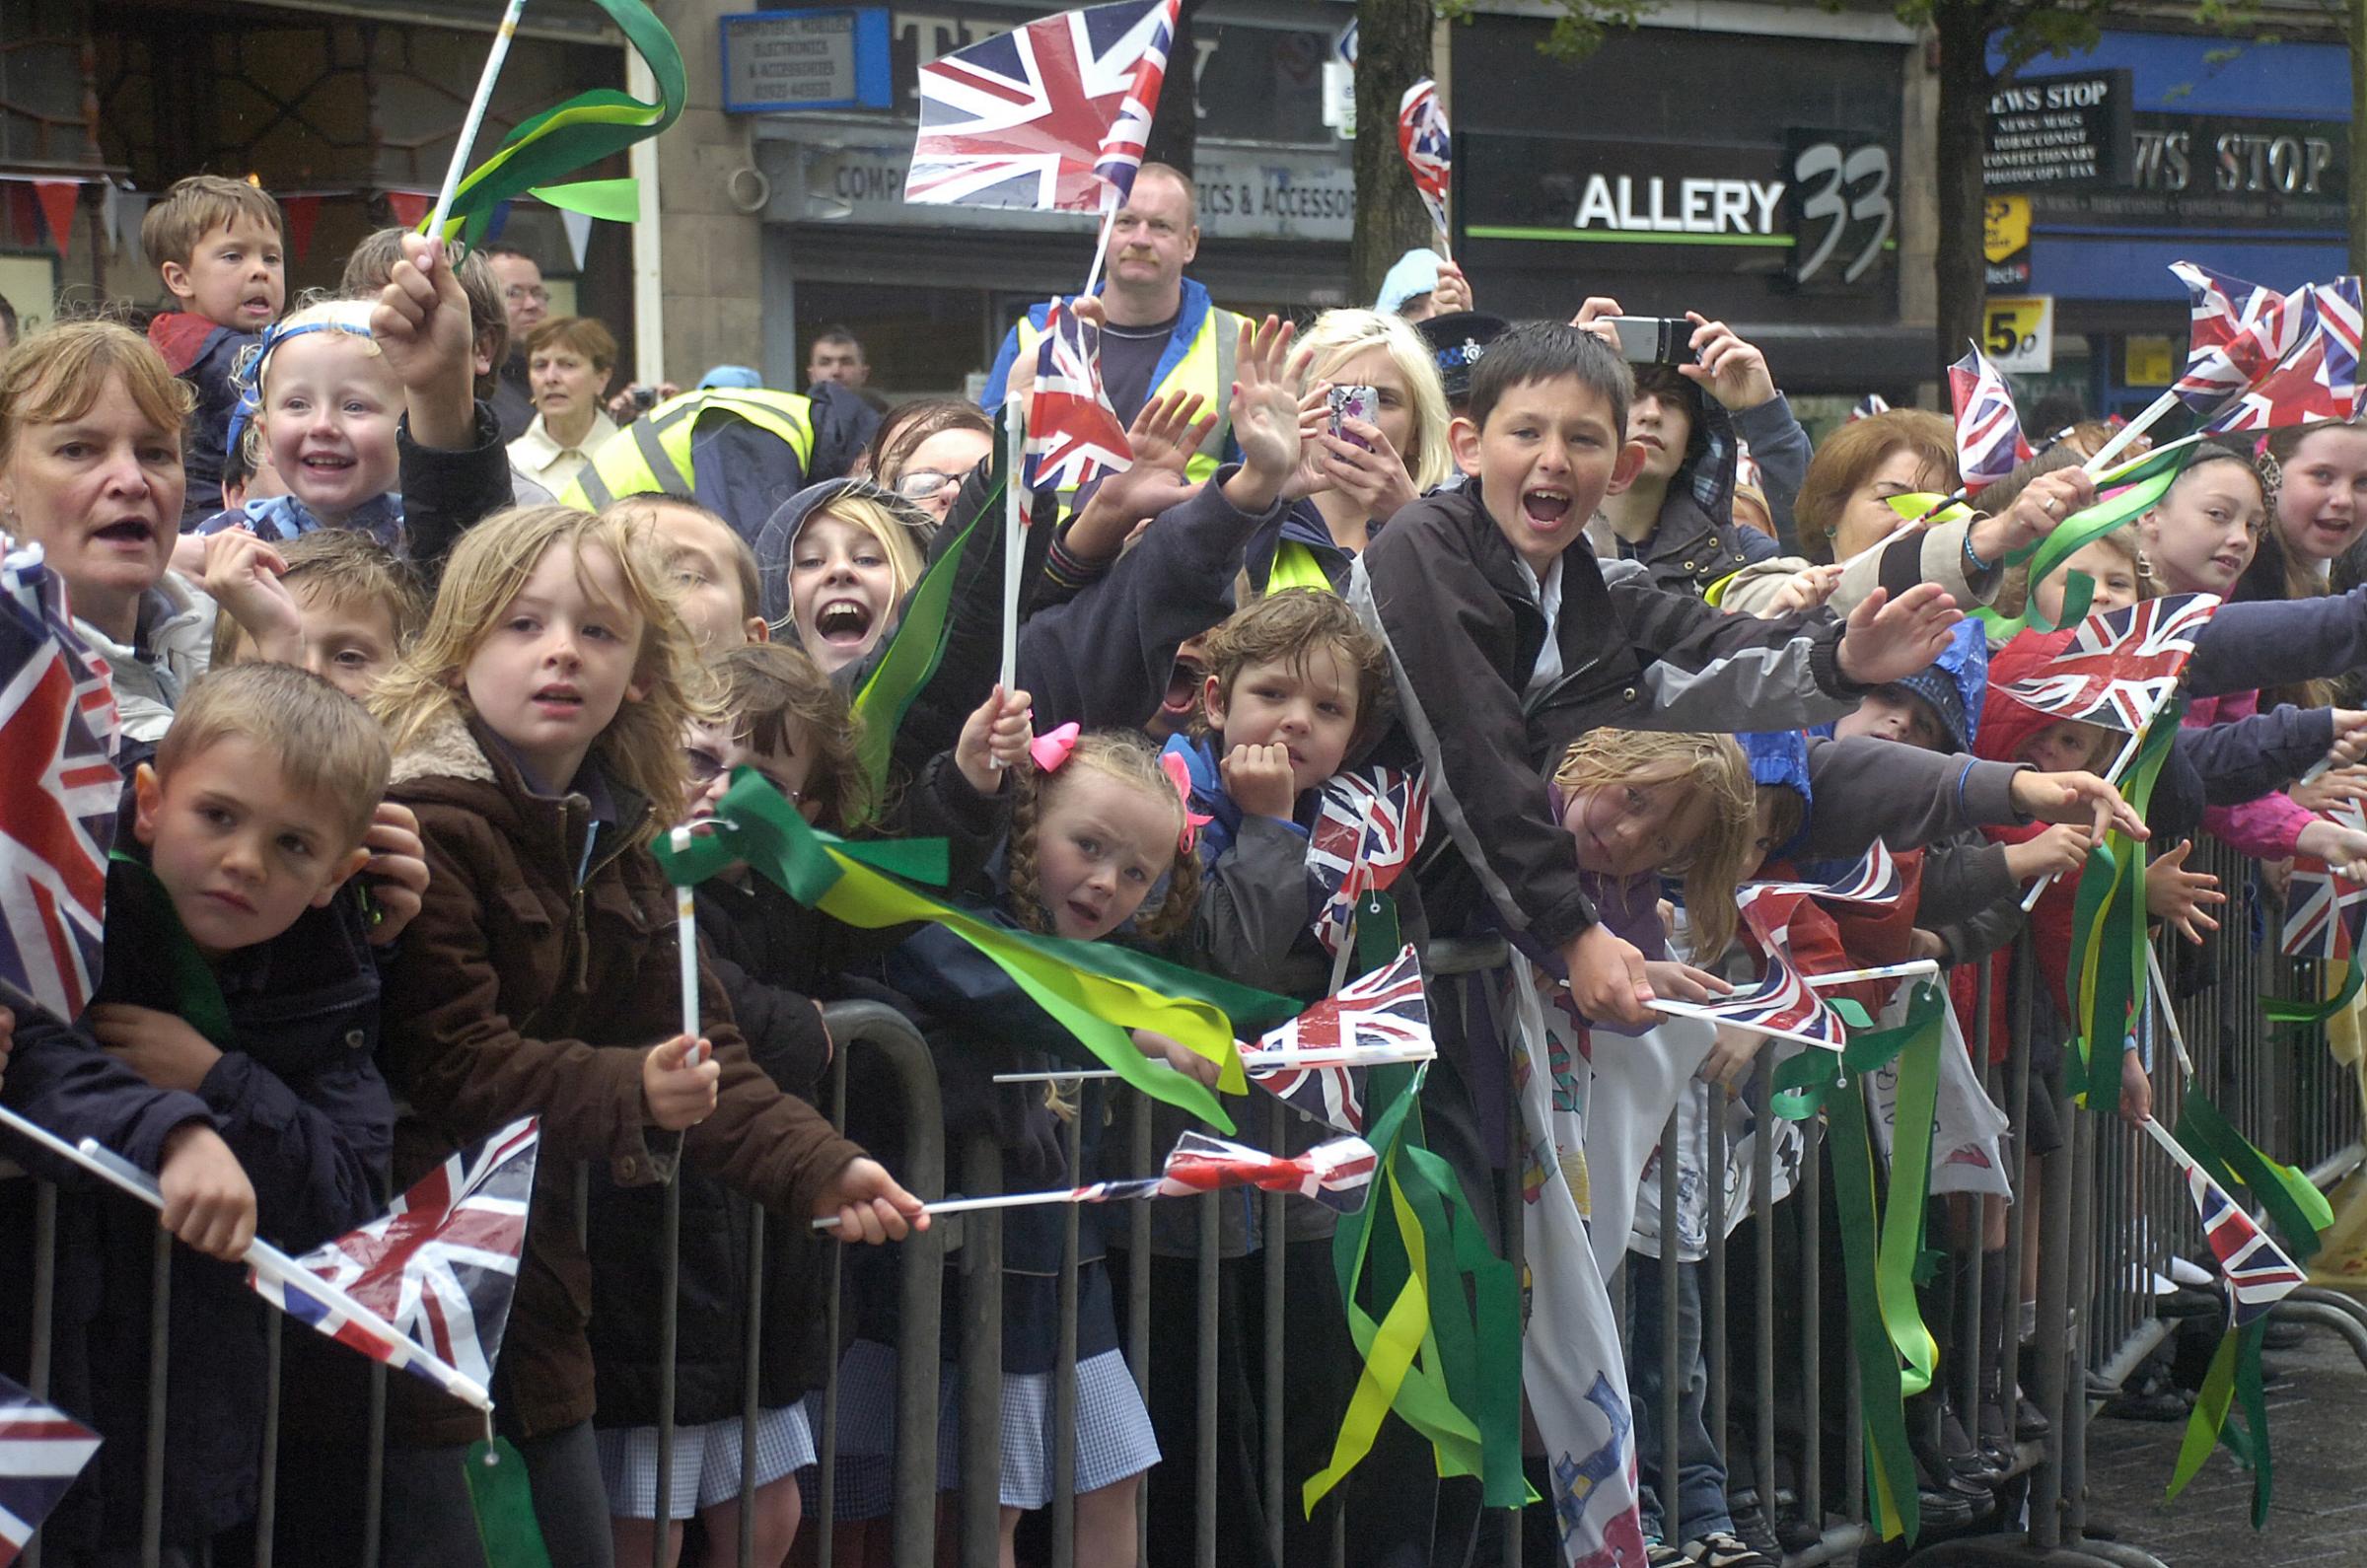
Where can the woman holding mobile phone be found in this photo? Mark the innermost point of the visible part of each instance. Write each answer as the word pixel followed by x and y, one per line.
pixel 1373 431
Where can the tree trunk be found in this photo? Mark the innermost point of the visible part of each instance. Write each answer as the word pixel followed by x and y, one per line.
pixel 1175 117
pixel 1964 87
pixel 1393 52
pixel 2357 19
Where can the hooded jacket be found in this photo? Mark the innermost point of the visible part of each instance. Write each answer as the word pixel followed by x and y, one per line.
pixel 1695 542
pixel 1459 614
pixel 539 970
pixel 172 645
pixel 205 354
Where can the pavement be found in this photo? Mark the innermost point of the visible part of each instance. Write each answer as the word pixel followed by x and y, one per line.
pixel 2318 1514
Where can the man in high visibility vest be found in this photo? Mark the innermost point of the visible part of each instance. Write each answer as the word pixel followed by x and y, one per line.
pixel 1162 333
pixel 740 452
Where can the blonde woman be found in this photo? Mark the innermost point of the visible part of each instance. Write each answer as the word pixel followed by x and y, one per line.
pixel 1351 482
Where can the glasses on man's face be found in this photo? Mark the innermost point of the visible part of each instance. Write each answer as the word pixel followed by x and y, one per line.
pixel 520 293
pixel 706 767
pixel 921 483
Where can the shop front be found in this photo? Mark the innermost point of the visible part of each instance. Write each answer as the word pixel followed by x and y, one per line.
pixel 1755 179
pixel 2231 153
pixel 931 288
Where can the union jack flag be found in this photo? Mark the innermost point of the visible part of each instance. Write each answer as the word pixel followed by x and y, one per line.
pixel 57 795
pixel 2325 910
pixel 1367 830
pixel 1049 116
pixel 2121 666
pixel 1989 443
pixel 41 1451
pixel 1781 1000
pixel 2257 1272
pixel 1382 1014
pixel 2238 332
pixel 1867 407
pixel 1429 151
pixel 1338 1174
pixel 1074 436
pixel 1875 880
pixel 439 1267
pixel 2320 377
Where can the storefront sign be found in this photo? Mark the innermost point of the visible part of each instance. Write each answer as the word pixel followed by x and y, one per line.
pixel 2058 132
pixel 806 59
pixel 1243 195
pixel 2145 360
pixel 1823 198
pixel 2017 334
pixel 2005 241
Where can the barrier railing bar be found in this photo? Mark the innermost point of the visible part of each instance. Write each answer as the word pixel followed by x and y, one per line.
pixel 1138 1296
pixel 1064 1356
pixel 1763 1244
pixel 374 1470
pixel 1205 1403
pixel 669 1307
pixel 1810 1200
pixel 752 1352
pixel 1715 1272
pixel 980 1363
pixel 1277 1250
pixel 1671 1511
pixel 266 1497
pixel 160 1342
pixel 833 1315
pixel 44 1311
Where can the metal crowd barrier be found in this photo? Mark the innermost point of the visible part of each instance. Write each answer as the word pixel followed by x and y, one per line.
pixel 2123 1208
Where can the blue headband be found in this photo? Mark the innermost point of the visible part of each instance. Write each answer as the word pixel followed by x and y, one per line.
pixel 248 374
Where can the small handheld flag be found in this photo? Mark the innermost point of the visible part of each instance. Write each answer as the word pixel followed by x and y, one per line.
pixel 435 1272
pixel 41 1451
pixel 1338 1174
pixel 1989 443
pixel 1429 150
pixel 1385 1010
pixel 1048 117
pixel 1074 436
pixel 2121 666
pixel 57 717
pixel 1367 830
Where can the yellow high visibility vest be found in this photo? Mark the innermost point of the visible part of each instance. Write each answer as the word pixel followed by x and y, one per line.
pixel 1296 566
pixel 1206 367
pixel 653 453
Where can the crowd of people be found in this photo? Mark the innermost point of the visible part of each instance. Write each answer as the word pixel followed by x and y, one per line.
pixel 421 631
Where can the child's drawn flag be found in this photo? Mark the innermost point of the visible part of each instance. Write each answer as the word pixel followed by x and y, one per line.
pixel 1368 827
pixel 1032 117
pixel 2121 665
pixel 1074 436
pixel 439 1267
pixel 1429 148
pixel 58 793
pixel 1382 1014
pixel 41 1451
pixel 1989 444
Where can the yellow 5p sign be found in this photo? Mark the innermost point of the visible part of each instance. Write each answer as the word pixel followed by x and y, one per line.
pixel 2019 333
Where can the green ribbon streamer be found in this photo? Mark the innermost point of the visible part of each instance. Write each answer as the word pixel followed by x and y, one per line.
pixel 2298 1209
pixel 917 645
pixel 2107 926
pixel 196 991
pixel 504 1503
pixel 2234 1376
pixel 1096 990
pixel 1902 1247
pixel 2292 1013
pixel 2124 495
pixel 1890 1464
pixel 574 134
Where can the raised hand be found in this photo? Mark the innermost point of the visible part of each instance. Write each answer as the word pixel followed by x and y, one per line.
pixel 2076 798
pixel 2042 506
pixel 2176 895
pixel 1257 778
pixel 241 573
pixel 1730 370
pixel 397 869
pixel 420 324
pixel 1265 411
pixel 1373 475
pixel 1163 436
pixel 1889 639
pixel 993 738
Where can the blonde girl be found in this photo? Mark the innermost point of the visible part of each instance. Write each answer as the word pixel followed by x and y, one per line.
pixel 537 726
pixel 1353 482
pixel 836 562
pixel 1642 805
pixel 1099 849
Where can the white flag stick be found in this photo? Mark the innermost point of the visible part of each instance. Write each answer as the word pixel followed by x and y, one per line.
pixel 685 925
pixel 477 117
pixel 1007 1200
pixel 2131 432
pixel 1271 1061
pixel 2111 775
pixel 265 1259
pixel 1886 971
pixel 1100 247
pixel 1712 1015
pixel 1015 534
pixel 2160 996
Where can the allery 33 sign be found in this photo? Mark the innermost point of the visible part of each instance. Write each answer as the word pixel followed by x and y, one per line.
pixel 1821 209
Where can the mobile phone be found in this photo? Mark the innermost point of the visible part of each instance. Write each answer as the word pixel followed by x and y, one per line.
pixel 1353 402
pixel 1653 339
pixel 644 398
